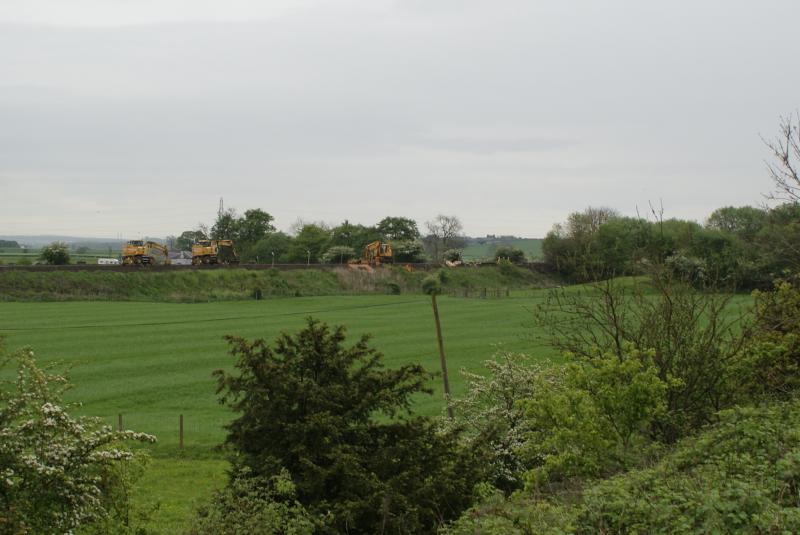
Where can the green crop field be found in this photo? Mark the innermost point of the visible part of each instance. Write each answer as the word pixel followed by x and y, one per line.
pixel 152 362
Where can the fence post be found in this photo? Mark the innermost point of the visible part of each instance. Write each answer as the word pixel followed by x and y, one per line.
pixel 483 293
pixel 508 292
pixel 119 421
pixel 181 439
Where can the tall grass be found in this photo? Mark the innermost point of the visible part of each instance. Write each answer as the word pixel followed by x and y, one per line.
pixel 188 286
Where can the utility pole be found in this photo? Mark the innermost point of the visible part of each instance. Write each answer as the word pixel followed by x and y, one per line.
pixel 441 355
pixel 432 286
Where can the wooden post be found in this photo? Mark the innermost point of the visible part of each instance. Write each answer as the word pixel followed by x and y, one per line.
pixel 441 356
pixel 181 439
pixel 119 421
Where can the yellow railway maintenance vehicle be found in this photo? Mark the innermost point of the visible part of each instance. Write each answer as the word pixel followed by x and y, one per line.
pixel 214 252
pixel 375 253
pixel 138 252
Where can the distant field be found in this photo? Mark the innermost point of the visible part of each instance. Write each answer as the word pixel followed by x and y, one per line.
pixel 153 361
pixel 484 248
pixel 14 256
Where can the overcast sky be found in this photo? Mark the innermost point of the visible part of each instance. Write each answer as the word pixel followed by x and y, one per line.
pixel 133 117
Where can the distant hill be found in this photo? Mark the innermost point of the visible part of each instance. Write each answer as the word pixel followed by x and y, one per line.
pixel 484 248
pixel 36 242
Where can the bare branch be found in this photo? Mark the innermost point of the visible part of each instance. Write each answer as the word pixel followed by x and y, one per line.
pixel 785 167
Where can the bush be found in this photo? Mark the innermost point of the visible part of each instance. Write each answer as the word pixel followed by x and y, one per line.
pixel 493 417
pixel 432 285
pixel 408 251
pixel 592 417
pixel 771 367
pixel 452 255
pixel 57 253
pixel 256 506
pixel 512 254
pixel 339 254
pixel 697 342
pixel 740 476
pixel 57 472
pixel 341 425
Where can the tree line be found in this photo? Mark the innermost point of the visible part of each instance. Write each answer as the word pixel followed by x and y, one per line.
pixel 257 239
pixel 736 247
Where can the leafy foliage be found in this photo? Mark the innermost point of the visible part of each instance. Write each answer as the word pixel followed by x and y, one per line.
pixel 57 472
pixel 771 367
pixel 740 476
pixel 408 251
pixel 274 245
pixel 246 231
pixel 339 254
pixel 742 247
pixel 696 343
pixel 313 407
pixel 354 236
pixel 586 417
pixel 398 229
pixel 493 417
pixel 512 254
pixel 452 255
pixel 254 505
pixel 309 244
pixel 57 253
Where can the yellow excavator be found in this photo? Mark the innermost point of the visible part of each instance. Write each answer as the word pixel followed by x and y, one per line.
pixel 141 253
pixel 214 252
pixel 375 253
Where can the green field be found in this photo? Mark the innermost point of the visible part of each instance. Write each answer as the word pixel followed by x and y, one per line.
pixel 153 361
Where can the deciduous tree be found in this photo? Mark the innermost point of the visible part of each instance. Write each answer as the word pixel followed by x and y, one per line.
pixel 57 253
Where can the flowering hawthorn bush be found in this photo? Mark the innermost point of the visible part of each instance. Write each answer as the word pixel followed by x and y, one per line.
pixel 52 465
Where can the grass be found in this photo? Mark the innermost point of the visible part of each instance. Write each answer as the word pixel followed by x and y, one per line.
pixel 237 284
pixel 153 361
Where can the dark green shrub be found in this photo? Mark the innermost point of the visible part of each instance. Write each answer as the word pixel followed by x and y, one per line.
pixel 312 406
pixel 512 254
pixel 393 287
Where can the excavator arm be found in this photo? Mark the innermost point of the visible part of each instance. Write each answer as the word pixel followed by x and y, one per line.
pixel 151 245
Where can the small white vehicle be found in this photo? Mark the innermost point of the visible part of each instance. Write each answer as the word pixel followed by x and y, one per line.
pixel 108 261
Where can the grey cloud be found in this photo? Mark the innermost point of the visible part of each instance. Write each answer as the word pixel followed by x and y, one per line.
pixel 503 112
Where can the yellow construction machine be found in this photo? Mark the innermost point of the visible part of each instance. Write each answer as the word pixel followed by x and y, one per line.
pixel 214 252
pixel 141 252
pixel 375 253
